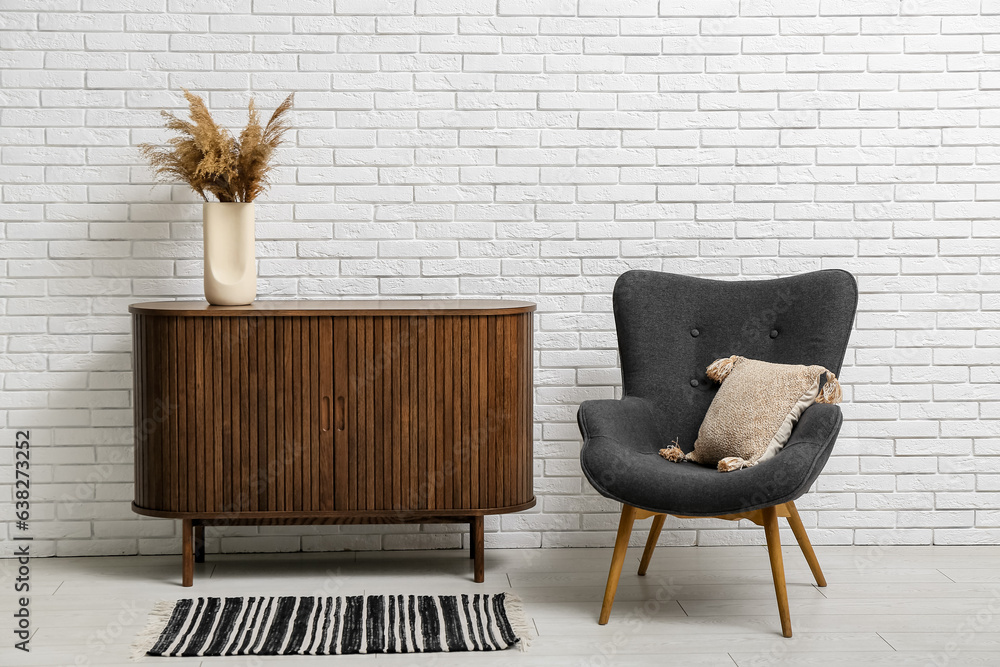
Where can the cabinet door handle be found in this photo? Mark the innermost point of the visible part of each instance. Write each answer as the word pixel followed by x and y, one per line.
pixel 340 413
pixel 324 415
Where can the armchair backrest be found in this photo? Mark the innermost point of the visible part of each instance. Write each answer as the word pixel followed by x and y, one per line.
pixel 671 327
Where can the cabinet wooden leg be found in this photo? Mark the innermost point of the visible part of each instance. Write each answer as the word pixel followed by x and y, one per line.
pixel 479 549
pixel 187 553
pixel 777 568
pixel 617 560
pixel 199 544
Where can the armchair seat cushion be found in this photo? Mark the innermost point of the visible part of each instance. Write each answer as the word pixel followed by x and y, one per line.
pixel 620 458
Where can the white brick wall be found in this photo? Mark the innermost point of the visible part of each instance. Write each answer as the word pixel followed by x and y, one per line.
pixel 528 149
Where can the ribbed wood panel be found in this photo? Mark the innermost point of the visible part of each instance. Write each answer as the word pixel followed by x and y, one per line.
pixel 227 414
pixel 342 414
pixel 438 418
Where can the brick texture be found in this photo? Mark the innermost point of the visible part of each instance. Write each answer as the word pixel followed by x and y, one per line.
pixel 527 149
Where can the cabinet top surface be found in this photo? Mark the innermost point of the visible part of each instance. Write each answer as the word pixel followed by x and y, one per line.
pixel 342 307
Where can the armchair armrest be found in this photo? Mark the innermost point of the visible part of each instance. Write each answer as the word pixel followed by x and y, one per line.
pixel 630 422
pixel 818 426
pixel 613 433
pixel 810 444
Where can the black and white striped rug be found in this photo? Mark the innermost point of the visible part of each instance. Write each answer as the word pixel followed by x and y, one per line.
pixel 333 625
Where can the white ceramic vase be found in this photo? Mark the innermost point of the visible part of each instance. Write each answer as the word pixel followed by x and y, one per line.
pixel 230 267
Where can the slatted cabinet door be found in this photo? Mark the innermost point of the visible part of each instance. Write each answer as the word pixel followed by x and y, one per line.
pixel 384 462
pixel 436 415
pixel 292 402
pixel 249 420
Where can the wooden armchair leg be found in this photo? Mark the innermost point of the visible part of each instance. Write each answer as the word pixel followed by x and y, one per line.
pixel 803 539
pixel 770 516
pixel 617 559
pixel 654 534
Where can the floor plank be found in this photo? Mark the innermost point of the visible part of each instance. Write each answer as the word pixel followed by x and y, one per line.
pixel 699 605
pixel 863 659
pixel 829 607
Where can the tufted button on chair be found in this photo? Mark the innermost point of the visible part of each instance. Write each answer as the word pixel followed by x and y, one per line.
pixel 666 395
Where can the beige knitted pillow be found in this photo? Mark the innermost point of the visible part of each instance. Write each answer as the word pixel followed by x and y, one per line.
pixel 752 415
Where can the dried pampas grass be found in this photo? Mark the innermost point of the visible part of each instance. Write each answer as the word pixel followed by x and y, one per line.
pixel 209 159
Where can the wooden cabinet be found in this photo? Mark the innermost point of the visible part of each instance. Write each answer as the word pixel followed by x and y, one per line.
pixel 332 412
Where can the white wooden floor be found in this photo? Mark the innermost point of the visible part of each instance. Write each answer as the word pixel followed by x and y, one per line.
pixel 697 606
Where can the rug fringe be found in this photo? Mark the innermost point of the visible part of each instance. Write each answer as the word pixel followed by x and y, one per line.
pixel 518 620
pixel 157 620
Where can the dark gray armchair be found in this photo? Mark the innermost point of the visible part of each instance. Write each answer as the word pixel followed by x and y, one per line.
pixel 670 328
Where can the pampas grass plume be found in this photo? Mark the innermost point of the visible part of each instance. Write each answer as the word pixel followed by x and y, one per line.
pixel 214 162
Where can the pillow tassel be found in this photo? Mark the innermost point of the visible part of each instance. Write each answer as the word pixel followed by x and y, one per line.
pixel 831 392
pixel 721 368
pixel 674 454
pixel 731 463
